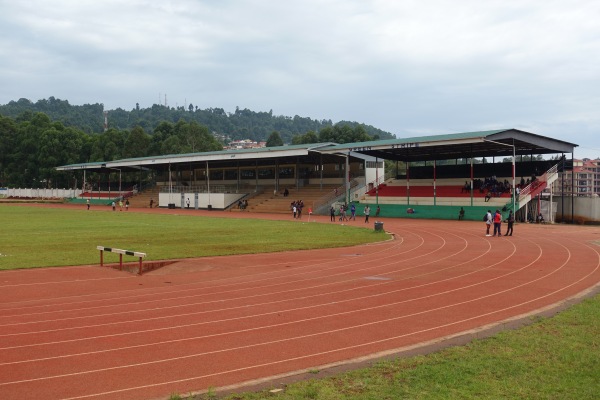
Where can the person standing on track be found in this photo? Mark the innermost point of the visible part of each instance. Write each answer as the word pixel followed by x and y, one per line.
pixel 497 223
pixel 510 221
pixel 332 214
pixel 367 212
pixel 488 222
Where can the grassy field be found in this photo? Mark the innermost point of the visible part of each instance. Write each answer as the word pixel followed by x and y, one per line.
pixel 556 358
pixel 37 237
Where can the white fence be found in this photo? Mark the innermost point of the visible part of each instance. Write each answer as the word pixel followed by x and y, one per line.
pixel 586 209
pixel 40 193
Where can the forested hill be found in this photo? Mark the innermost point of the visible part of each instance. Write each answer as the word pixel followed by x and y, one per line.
pixel 240 124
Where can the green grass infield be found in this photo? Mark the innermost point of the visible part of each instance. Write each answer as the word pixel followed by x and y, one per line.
pixel 40 237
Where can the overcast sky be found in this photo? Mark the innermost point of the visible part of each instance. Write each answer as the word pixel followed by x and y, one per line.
pixel 408 67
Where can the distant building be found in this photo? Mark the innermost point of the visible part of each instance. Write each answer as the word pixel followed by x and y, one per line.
pixel 586 181
pixel 245 144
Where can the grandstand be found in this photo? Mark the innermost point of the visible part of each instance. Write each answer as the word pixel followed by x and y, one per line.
pixel 435 175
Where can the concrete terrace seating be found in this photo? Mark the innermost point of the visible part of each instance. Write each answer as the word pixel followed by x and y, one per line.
pixel 448 192
pixel 427 191
pixel 142 199
pixel 268 202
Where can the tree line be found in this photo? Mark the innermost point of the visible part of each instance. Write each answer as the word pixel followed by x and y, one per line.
pixel 32 145
pixel 240 124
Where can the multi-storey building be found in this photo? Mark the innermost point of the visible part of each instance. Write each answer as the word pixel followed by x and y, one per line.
pixel 585 182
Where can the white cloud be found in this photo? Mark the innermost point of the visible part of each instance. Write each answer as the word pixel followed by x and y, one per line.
pixel 408 67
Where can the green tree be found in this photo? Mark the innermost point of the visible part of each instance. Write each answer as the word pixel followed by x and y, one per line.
pixel 308 137
pixel 137 143
pixel 274 140
pixel 108 146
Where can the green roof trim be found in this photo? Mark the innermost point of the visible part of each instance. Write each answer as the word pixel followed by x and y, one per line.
pixel 422 139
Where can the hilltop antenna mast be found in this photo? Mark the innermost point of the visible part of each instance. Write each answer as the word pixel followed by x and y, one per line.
pixel 105 121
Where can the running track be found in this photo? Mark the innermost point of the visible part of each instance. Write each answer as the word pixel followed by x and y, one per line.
pixel 97 333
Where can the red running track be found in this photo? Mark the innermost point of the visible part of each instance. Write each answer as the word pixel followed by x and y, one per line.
pixel 97 333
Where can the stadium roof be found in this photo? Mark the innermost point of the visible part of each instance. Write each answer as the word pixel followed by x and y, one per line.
pixel 495 143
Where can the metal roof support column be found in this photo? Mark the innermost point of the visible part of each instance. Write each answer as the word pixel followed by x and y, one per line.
pixel 562 189
pixel 573 187
pixel 551 216
pixel 140 185
pixel 321 169
pixel 513 177
pixel 377 179
pixel 277 175
pixel 434 186
pixel 170 185
pixel 296 173
pixel 408 182
pixel 208 183
pixel 256 176
pixel 472 175
pixel 347 178
pixel 239 175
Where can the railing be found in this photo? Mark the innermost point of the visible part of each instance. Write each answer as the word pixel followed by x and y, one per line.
pixel 535 185
pixel 205 189
pixel 334 195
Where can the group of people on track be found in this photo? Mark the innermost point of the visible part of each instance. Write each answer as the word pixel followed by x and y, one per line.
pixel 495 220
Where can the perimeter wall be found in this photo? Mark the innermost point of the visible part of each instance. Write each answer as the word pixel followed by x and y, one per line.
pixel 586 210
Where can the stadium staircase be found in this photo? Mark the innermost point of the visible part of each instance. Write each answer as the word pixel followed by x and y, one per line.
pixel 277 203
pixel 142 198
